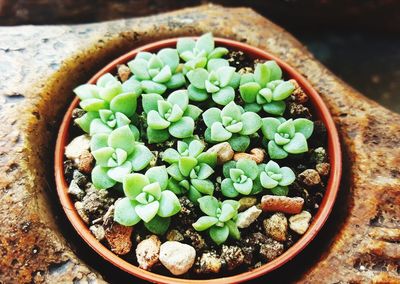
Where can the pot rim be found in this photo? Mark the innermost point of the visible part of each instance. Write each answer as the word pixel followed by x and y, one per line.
pixel 334 152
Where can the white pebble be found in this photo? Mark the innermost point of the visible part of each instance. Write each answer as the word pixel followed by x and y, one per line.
pixel 300 222
pixel 178 258
pixel 245 218
pixel 77 147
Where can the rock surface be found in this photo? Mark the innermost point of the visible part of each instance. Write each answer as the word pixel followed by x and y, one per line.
pixel 300 222
pixel 246 218
pixel 148 252
pixel 357 244
pixel 177 257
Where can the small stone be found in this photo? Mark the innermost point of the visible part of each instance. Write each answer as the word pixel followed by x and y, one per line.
pixel 187 216
pixel 254 240
pixel 98 232
pixel 247 202
pixel 85 162
pixel 224 152
pixel 76 147
pixel 232 256
pixel 276 227
pixel 271 249
pixel 300 222
pixel 298 95
pixel 246 218
pixel 323 168
pixel 195 239
pixel 123 72
pixel 310 177
pixel 81 211
pixel 319 155
pixel 148 252
pixel 178 258
pixel 208 263
pixel 284 204
pixel 75 190
pixel 119 238
pixel 174 235
pixel 299 111
pixel 248 253
pixel 96 202
pixel 80 179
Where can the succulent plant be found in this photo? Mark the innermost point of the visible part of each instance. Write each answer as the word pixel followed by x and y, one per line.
pixel 230 124
pixel 173 116
pixel 219 80
pixel 108 104
pixel 117 154
pixel 286 136
pixel 157 72
pixel 265 89
pixel 196 53
pixel 148 199
pixel 219 219
pixel 190 169
pixel 240 178
pixel 276 178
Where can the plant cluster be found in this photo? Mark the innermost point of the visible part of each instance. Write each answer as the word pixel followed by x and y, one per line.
pixel 189 95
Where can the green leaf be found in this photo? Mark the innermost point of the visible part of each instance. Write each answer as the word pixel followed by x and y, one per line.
pixel 267 181
pixel 97 126
pixel 124 212
pixel 235 174
pixel 205 42
pixel 279 140
pixel 212 115
pixel 133 184
pixel 140 157
pixel 193 112
pixel 205 171
pixel 102 155
pixel 280 190
pixel 195 148
pixel 287 127
pixel 215 63
pixel 193 195
pixel 185 44
pixel 251 123
pixel 98 141
pixel 198 77
pixel 87 91
pixel 239 143
pixel 171 156
pixel 85 120
pixel 224 96
pixel 226 168
pixel 225 75
pixel 203 186
pixel 125 103
pixel 122 138
pixel 249 167
pixel 196 94
pixel 122 120
pixel 282 91
pixel 110 91
pixel 204 222
pixel 275 151
pixel 269 127
pixel 210 87
pixel 148 211
pixel 288 176
pixel 276 72
pixel 246 78
pixel 170 57
pixel 272 166
pixel 164 75
pixel 208 158
pixel 157 136
pixel 244 188
pixel 233 229
pixel 252 107
pixel 153 189
pixel 152 87
pixel 177 80
pixel 158 225
pixel 150 102
pixel 227 212
pixel 100 179
pixel 262 74
pixel 304 126
pixel 275 107
pixel 138 67
pixel 155 121
pixel 93 104
pixel 186 164
pixel 228 189
pixel 183 128
pixel 169 204
pixel 218 52
pixel 219 234
pixel 219 133
pixel 174 186
pixel 174 171
pixel 249 91
pixel 180 98
pixel 297 145
pixel 132 86
pixel 232 110
pixel 209 205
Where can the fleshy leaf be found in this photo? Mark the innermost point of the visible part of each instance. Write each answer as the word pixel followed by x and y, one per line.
pixel 297 145
pixel 251 123
pixel 133 184
pixel 228 189
pixel 288 176
pixel 196 94
pixel 170 57
pixel 132 86
pixel 93 104
pixel 233 229
pixel 177 80
pixel 232 110
pixel 249 167
pixel 185 44
pixel 150 102
pixel 226 168
pixel 180 98
pixel 249 91
pixel 272 166
pixel 85 120
pixel 205 171
pixel 218 52
pixel 195 148
pixel 198 77
pixel 244 188
pixel 227 212
pixel 239 143
pixel 208 158
pixel 125 103
pixel 186 164
pixel 164 75
pixel 174 171
pixel 219 133
pixel 224 95
pixel 157 136
pixel 209 205
pixel 214 64
pixel 140 157
pixel 153 189
pixel 124 212
pixel 204 222
pixel 276 72
pixel 100 179
pixel 275 151
pixel 98 141
pixel 97 126
pixel 282 91
pixel 193 112
pixel 205 42
pixel 87 91
pixel 211 116
pixel 152 87
pixel 138 67
pixel 183 128
pixel 219 234
pixel 203 186
pixel 304 126
pixel 225 75
pixel 269 127
pixel 287 127
pixel 122 138
pixel 171 156
pixel 158 225
pixel 102 155
pixel 148 211
pixel 169 204
pixel 275 107
pixel 262 74
pixel 280 190
pixel 267 182
pixel 155 121
pixel 193 194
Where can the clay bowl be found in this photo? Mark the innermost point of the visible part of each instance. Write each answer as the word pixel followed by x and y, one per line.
pixel 320 111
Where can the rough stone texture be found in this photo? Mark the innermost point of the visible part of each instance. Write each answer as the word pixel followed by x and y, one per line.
pixel 40 65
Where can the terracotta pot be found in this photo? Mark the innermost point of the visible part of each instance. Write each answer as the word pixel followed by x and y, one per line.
pixel 320 111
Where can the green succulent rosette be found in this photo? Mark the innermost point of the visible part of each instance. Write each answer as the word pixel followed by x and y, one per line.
pixel 276 178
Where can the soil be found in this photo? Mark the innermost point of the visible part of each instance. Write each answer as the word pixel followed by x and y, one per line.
pixel 255 247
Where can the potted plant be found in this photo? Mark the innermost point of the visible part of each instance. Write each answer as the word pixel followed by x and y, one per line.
pixel 197 158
